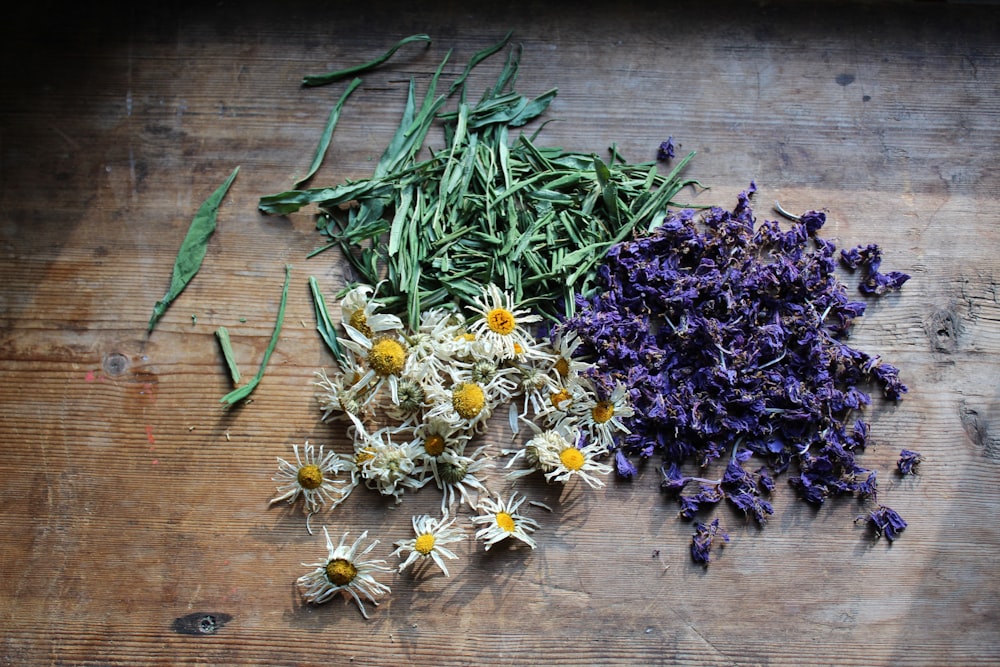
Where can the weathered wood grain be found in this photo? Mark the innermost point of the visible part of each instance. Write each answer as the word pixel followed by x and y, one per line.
pixel 134 505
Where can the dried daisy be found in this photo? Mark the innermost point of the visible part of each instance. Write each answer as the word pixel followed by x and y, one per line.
pixel 345 571
pixel 431 536
pixel 573 461
pixel 358 311
pixel 314 476
pixel 500 520
pixel 386 466
pixel 456 476
pixel 501 329
pixel 601 418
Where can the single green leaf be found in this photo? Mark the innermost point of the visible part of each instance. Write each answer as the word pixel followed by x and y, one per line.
pixel 193 248
pixel 324 141
pixel 325 327
pixel 222 333
pixel 476 59
pixel 240 393
pixel 330 77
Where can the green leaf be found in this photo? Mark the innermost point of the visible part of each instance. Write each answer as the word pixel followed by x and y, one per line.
pixel 242 392
pixel 222 333
pixel 325 327
pixel 330 77
pixel 193 248
pixel 476 59
pixel 291 201
pixel 324 141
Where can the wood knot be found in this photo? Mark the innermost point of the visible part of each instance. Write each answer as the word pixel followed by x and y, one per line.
pixel 115 364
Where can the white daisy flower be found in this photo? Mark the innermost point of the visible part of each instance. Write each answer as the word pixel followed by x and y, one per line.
pixel 558 408
pixel 385 357
pixel 499 380
pixel 345 571
pixel 433 344
pixel 581 462
pixel 357 313
pixel 313 476
pixel 567 366
pixel 500 520
pixel 411 399
pixel 501 327
pixel 456 476
pixel 601 418
pixel 385 466
pixel 466 405
pixel 434 437
pixel 536 388
pixel 431 537
pixel 337 396
pixel 541 452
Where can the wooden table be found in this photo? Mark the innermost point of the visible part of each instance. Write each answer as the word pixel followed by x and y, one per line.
pixel 135 506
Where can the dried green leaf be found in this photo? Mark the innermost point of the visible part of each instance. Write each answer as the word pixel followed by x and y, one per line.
pixel 330 77
pixel 222 334
pixel 241 393
pixel 324 141
pixel 193 249
pixel 324 325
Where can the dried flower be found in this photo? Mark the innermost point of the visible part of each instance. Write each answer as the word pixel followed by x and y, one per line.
pixel 701 541
pixel 500 520
pixel 884 521
pixel 313 476
pixel 431 537
pixel 666 151
pixel 501 329
pixel 729 335
pixel 345 571
pixel 908 461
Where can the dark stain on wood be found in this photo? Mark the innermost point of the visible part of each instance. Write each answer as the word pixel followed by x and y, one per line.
pixel 200 623
pixel 978 427
pixel 944 328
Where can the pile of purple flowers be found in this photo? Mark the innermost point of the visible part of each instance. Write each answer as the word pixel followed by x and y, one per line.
pixel 731 337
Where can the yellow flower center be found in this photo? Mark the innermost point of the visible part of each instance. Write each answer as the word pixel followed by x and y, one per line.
pixel 468 400
pixel 572 458
pixel 518 349
pixel 310 477
pixel 363 455
pixel 562 367
pixel 387 357
pixel 434 444
pixel 359 320
pixel 506 521
pixel 558 397
pixel 501 321
pixel 341 572
pixel 424 544
pixel 603 411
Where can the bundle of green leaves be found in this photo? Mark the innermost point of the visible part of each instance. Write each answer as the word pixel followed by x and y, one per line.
pixel 487 208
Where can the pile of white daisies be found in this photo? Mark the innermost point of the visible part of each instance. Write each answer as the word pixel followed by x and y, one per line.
pixel 415 402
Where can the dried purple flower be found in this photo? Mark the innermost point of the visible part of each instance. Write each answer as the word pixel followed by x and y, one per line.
pixel 885 521
pixel 908 461
pixel 701 541
pixel 730 334
pixel 869 259
pixel 666 150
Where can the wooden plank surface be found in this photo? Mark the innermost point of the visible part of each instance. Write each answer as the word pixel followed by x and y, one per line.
pixel 131 499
